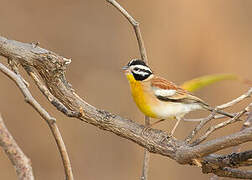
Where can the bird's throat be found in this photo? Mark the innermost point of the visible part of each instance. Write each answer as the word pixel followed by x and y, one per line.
pixel 140 97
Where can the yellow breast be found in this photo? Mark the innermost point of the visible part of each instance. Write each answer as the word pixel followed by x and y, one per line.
pixel 139 93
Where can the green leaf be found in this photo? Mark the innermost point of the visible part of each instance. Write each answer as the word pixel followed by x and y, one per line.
pixel 200 82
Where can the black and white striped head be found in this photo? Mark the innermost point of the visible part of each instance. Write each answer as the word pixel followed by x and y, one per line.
pixel 138 69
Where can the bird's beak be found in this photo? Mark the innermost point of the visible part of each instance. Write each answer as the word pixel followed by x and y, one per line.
pixel 125 67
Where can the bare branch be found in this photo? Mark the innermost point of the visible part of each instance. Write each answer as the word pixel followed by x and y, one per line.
pixel 145 167
pixel 203 122
pixel 212 146
pixel 212 116
pixel 217 116
pixel 63 152
pixel 248 121
pixel 143 54
pixel 19 160
pixel 135 25
pixel 218 126
pixel 229 172
pixel 50 120
pixel 14 67
pixel 51 69
pixel 235 101
pixel 233 160
pixel 50 97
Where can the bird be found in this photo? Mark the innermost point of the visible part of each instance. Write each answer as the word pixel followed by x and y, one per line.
pixel 159 98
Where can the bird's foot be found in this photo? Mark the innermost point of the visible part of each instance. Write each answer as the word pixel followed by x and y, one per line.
pixel 146 128
pixel 166 137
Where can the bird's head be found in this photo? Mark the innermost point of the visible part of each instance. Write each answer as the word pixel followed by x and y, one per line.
pixel 138 69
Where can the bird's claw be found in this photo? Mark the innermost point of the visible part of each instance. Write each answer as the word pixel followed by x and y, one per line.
pixel 146 128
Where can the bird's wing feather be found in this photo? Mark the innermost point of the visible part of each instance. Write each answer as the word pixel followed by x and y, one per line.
pixel 168 91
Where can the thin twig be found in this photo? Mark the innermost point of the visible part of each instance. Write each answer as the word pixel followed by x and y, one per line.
pixel 212 115
pixel 199 126
pixel 50 120
pixel 136 27
pixel 235 101
pixel 146 160
pixel 143 54
pixel 19 160
pixel 217 116
pixel 14 67
pixel 51 68
pixel 63 152
pixel 246 124
pixel 218 126
pixel 221 125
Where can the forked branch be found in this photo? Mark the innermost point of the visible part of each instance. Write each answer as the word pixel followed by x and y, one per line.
pixel 51 70
pixel 45 115
pixel 48 71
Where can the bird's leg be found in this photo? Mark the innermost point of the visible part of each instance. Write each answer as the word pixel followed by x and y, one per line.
pixel 173 130
pixel 157 122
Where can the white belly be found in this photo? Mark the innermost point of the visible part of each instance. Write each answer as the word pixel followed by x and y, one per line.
pixel 168 110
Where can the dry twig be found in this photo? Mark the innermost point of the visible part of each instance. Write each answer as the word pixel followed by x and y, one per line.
pixel 143 54
pixel 50 67
pixel 213 115
pixel 19 160
pixel 235 101
pixel 218 126
pixel 44 114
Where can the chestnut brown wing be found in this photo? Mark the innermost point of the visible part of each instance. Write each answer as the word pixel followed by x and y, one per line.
pixel 168 91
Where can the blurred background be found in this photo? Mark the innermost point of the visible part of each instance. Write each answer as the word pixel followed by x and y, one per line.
pixel 184 40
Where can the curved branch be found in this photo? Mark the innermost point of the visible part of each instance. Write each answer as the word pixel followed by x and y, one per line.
pixel 204 121
pixel 136 27
pixel 51 68
pixel 215 145
pixel 19 160
pixel 45 115
pixel 218 126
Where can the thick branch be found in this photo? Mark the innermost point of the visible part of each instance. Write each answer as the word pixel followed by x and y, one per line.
pixel 229 172
pixel 19 160
pixel 215 145
pixel 248 121
pixel 51 68
pixel 233 160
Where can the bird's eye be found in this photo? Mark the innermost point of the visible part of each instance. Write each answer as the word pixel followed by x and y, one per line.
pixel 136 69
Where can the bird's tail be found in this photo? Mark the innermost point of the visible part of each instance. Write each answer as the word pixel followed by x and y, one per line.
pixel 218 111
